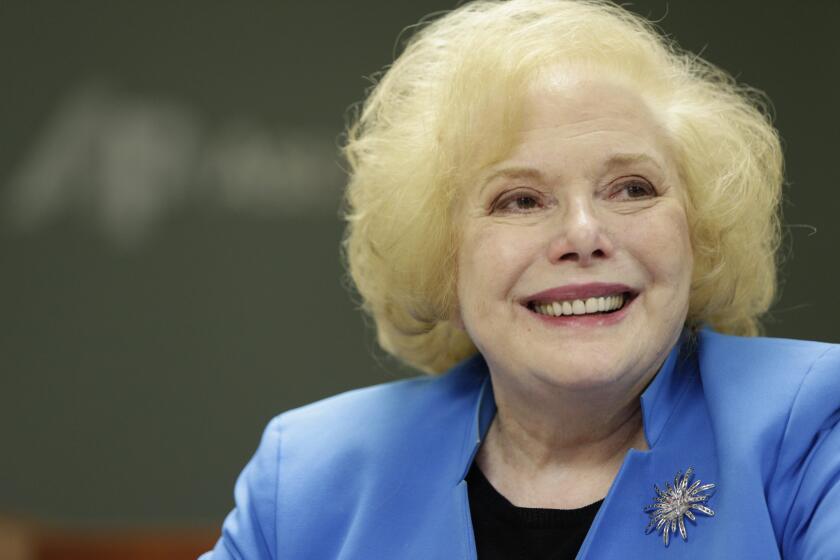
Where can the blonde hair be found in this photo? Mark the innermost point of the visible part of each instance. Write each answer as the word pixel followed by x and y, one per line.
pixel 450 105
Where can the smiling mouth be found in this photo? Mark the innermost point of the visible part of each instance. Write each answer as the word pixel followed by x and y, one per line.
pixel 603 305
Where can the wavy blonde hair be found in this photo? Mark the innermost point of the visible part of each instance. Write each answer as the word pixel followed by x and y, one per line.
pixel 450 105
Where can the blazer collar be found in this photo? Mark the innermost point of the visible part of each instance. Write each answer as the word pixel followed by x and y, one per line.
pixel 484 410
pixel 665 389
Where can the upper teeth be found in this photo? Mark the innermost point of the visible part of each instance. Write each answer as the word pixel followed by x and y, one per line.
pixel 580 306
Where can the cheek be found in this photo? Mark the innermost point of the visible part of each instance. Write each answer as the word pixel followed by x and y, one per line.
pixel 491 260
pixel 683 261
pixel 668 248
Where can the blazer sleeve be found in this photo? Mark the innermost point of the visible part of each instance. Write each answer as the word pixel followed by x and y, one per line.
pixel 809 464
pixel 250 530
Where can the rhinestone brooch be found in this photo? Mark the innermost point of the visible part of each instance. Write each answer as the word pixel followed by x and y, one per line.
pixel 672 505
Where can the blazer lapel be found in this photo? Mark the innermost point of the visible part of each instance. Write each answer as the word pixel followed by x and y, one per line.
pixel 679 436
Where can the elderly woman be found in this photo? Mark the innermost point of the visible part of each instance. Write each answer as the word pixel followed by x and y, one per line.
pixel 576 222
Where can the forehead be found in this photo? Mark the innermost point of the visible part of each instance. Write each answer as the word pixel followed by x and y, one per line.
pixel 607 115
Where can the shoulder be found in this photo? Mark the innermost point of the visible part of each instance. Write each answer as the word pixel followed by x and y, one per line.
pixel 770 386
pixel 775 353
pixel 368 442
pixel 383 411
pixel 775 368
pixel 317 463
pixel 776 402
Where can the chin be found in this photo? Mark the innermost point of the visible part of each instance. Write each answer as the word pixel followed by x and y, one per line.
pixel 582 374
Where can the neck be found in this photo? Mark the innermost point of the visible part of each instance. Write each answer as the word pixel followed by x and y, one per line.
pixel 571 441
pixel 567 428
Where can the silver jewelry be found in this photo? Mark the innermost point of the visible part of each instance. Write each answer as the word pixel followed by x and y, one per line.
pixel 669 508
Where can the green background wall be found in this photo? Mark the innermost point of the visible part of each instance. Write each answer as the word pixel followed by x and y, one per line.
pixel 139 363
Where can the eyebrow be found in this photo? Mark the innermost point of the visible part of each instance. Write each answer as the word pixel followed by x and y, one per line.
pixel 615 160
pixel 620 159
pixel 513 173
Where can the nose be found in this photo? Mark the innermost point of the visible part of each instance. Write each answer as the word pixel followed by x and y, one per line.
pixel 580 235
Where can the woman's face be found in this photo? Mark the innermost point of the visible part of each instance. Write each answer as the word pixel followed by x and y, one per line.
pixel 575 261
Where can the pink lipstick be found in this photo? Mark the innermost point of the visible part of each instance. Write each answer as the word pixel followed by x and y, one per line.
pixel 570 304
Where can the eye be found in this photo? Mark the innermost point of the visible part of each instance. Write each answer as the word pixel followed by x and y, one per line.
pixel 518 202
pixel 633 189
pixel 524 202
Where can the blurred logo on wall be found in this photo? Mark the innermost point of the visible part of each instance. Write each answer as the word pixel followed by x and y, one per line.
pixel 124 163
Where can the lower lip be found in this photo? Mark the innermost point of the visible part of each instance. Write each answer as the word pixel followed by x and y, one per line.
pixel 593 320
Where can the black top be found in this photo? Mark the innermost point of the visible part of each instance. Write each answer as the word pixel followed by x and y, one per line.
pixel 504 531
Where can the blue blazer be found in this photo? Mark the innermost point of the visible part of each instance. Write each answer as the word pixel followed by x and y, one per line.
pixel 378 473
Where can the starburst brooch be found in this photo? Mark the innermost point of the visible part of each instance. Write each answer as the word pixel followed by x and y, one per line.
pixel 672 505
